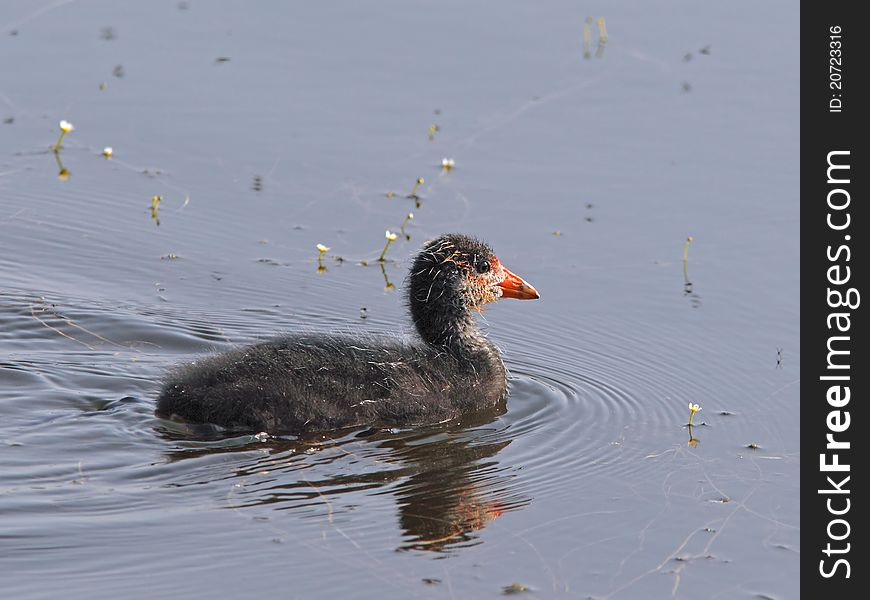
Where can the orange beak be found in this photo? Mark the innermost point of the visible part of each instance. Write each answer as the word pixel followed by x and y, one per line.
pixel 513 286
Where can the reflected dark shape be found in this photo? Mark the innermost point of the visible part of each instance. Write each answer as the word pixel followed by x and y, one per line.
pixel 62 172
pixel 446 481
pixel 689 290
pixel 693 441
pixel 388 285
pixel 257 186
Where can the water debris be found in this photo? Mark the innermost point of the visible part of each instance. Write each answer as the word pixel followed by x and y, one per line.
pixel 263 436
pixel 752 446
pixel 8 120
pixel 705 50
pixel 391 237
pixel 108 33
pixel 65 128
pixel 390 194
pixel 118 71
pixel 430 581
pixel 557 233
pixel 257 186
pixel 363 313
pixel 155 208
pixel 687 57
pixel 222 59
pixel 448 164
pixel 515 588
pixel 170 256
pixel 433 129
pixel 779 358
pixel 686 87
pixel 107 152
pixel 103 86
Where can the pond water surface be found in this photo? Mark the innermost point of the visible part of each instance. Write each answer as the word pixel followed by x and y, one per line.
pixel 270 128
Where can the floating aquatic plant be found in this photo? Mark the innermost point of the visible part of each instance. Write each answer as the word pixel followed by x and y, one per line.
pixel 448 164
pixel 391 237
pixel 420 181
pixel 602 31
pixel 155 207
pixel 107 152
pixel 693 408
pixel 65 128
pixel 689 240
pixel 408 218
pixel 321 250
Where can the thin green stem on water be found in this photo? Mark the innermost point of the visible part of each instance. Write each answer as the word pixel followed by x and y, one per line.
pixel 384 251
pixel 56 147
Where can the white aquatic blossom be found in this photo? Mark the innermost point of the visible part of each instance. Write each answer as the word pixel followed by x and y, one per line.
pixel 390 235
pixel 107 152
pixel 694 408
pixel 447 163
pixel 66 126
pixel 321 248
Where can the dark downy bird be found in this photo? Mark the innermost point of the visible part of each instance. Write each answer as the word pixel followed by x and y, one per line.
pixel 314 382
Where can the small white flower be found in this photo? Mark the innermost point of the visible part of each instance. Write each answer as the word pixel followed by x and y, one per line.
pixel 694 408
pixel 66 126
pixel 107 152
pixel 447 163
pixel 321 248
pixel 410 216
pixel 390 235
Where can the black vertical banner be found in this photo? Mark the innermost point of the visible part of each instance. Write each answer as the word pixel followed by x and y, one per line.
pixel 834 226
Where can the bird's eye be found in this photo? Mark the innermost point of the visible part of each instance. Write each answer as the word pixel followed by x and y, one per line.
pixel 483 266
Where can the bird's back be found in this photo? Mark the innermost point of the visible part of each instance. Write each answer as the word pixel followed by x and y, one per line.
pixel 300 383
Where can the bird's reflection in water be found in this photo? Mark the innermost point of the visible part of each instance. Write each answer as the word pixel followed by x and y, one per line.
pixel 446 480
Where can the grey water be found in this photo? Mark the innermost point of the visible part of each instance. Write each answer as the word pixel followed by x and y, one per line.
pixel 269 128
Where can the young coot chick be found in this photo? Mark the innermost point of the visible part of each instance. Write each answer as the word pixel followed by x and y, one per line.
pixel 319 382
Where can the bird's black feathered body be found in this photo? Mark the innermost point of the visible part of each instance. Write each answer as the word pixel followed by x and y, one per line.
pixel 320 382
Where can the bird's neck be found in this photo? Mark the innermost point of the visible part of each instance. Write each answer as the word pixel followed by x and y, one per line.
pixel 453 328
